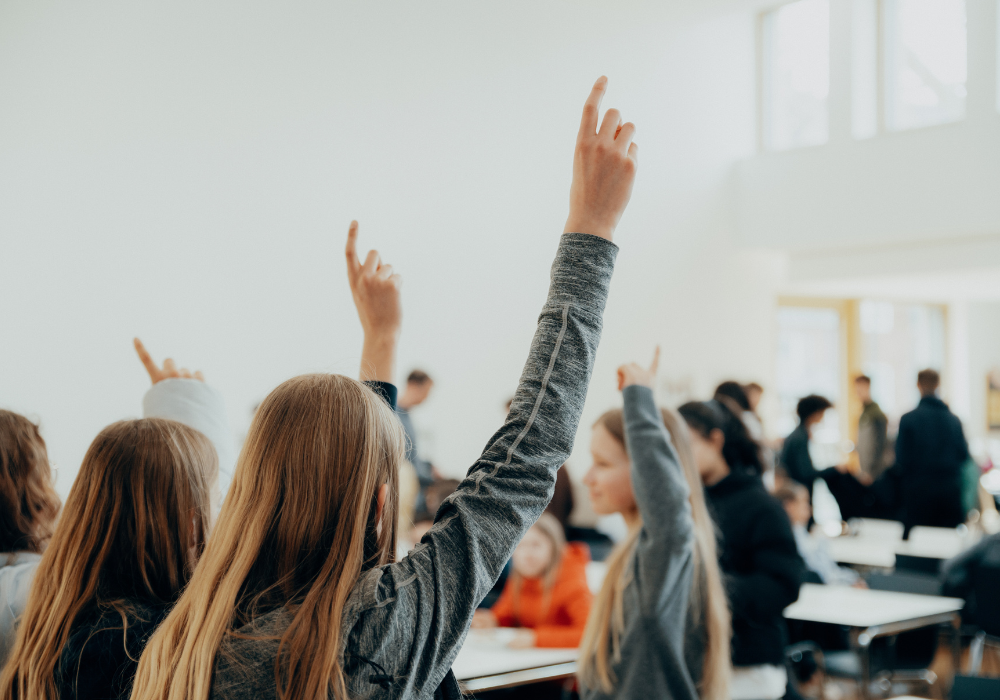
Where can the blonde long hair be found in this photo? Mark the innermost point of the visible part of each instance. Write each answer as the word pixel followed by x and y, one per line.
pixel 600 647
pixel 141 500
pixel 297 530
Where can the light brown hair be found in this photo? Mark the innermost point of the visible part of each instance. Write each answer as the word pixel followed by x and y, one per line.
pixel 549 526
pixel 928 380
pixel 602 638
pixel 297 530
pixel 28 503
pixel 134 524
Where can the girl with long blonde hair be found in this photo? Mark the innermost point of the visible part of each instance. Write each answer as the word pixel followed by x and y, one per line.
pixel 297 595
pixel 660 626
pixel 130 534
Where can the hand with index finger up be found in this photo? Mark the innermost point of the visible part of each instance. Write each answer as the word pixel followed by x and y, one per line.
pixel 604 166
pixel 168 371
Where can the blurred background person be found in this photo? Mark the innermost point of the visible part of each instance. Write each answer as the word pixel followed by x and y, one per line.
pixel 873 429
pixel 418 387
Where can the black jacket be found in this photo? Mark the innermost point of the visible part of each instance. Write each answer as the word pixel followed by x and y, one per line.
pixel 99 659
pixel 761 565
pixel 931 443
pixel 797 462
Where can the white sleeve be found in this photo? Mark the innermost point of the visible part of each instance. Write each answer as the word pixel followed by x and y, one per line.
pixel 197 405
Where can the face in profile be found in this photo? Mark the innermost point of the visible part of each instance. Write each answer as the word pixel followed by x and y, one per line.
pixel 707 453
pixel 799 510
pixel 534 554
pixel 609 480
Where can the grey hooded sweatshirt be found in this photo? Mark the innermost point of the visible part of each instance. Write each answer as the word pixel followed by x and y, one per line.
pixel 404 623
pixel 662 645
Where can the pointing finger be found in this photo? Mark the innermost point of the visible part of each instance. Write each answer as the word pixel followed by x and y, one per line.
pixel 656 361
pixel 146 360
pixel 592 107
pixel 353 264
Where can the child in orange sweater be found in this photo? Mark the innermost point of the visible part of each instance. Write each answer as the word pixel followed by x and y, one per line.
pixel 547 595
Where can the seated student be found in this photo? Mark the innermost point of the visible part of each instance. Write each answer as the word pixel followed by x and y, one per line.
pixel 758 557
pixel 133 527
pixel 958 575
pixel 813 550
pixel 297 595
pixel 660 626
pixel 546 595
pixel 28 509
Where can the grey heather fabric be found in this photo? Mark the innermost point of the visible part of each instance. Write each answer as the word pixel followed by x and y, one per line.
pixel 662 646
pixel 16 574
pixel 411 618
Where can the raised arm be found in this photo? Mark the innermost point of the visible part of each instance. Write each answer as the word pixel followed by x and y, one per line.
pixel 664 551
pixel 182 395
pixel 430 597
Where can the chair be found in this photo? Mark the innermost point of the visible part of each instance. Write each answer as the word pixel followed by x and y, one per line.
pixel 975 688
pixel 986 589
pixel 804 661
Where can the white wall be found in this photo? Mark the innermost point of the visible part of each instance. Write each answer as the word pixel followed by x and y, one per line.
pixel 186 173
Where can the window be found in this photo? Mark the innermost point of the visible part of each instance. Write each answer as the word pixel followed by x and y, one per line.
pixel 795 62
pixel 925 62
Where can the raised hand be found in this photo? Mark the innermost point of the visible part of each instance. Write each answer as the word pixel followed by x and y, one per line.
pixel 168 371
pixel 634 374
pixel 604 166
pixel 375 289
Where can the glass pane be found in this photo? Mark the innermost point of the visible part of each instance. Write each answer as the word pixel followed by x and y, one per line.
pixel 796 54
pixel 809 363
pixel 925 62
pixel 897 341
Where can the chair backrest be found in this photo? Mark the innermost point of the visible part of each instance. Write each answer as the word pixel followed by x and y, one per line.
pixel 975 688
pixel 923 565
pixel 905 582
pixel 986 587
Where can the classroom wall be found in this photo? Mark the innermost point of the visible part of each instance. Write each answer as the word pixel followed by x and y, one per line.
pixel 186 173
pixel 984 357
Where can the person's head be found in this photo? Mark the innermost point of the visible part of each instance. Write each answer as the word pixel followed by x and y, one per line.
pixel 28 503
pixel 610 484
pixel 753 391
pixel 133 527
pixel 928 381
pixel 313 504
pixel 863 388
pixel 538 554
pixel 735 392
pixel 720 441
pixel 811 409
pixel 795 498
pixel 418 388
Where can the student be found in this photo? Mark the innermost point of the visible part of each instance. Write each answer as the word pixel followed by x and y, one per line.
pixel 759 558
pixel 930 453
pixel 28 509
pixel 132 529
pixel 297 596
pixel 795 458
pixel 741 405
pixel 418 387
pixel 814 552
pixel 872 430
pixel 546 595
pixel 660 626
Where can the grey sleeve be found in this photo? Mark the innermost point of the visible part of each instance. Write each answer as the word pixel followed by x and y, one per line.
pixel 417 613
pixel 665 550
pixel 197 405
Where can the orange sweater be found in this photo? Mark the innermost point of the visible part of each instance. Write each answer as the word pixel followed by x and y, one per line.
pixel 562 624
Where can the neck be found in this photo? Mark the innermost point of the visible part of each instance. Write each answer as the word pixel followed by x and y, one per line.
pixel 716 474
pixel 631 518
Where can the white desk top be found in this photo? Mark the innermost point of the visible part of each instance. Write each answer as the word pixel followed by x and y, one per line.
pixel 485 653
pixel 857 607
pixel 863 551
pixel 880 550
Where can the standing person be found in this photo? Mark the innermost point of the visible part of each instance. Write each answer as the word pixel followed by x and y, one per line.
pixel 759 557
pixel 297 595
pixel 660 625
pixel 930 452
pixel 29 506
pixel 418 387
pixel 873 429
pixel 795 457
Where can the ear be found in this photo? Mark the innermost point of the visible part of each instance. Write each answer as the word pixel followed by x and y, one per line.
pixel 383 493
pixel 717 438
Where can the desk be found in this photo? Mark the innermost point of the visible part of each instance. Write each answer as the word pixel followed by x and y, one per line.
pixel 485 662
pixel 873 614
pixel 859 550
pixel 879 551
